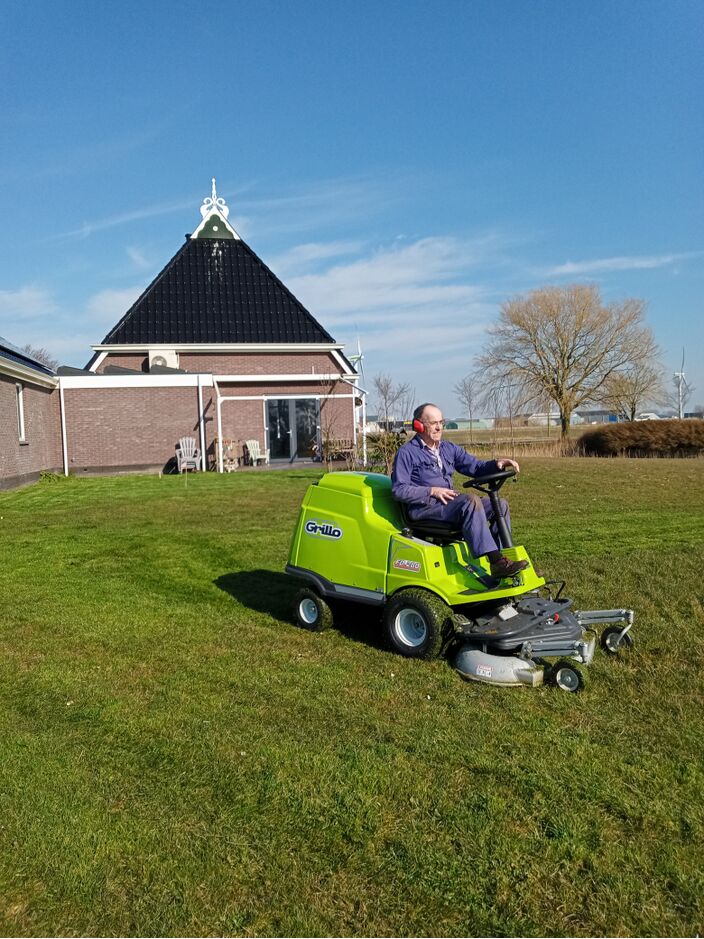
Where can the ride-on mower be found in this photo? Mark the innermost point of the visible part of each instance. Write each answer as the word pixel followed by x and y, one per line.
pixel 354 542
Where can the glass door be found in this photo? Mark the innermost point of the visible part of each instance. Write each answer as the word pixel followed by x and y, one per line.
pixel 279 422
pixel 293 427
pixel 306 418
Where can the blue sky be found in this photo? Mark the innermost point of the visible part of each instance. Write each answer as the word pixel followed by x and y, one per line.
pixel 405 167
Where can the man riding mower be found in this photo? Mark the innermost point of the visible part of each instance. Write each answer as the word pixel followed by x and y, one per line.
pixel 495 616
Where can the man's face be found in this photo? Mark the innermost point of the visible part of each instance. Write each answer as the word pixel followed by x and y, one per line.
pixel 432 421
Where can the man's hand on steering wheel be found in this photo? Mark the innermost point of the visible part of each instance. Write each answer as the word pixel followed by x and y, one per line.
pixel 502 464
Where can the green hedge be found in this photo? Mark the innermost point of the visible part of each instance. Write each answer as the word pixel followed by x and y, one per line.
pixel 646 438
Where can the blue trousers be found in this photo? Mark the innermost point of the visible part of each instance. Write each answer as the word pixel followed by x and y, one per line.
pixel 473 514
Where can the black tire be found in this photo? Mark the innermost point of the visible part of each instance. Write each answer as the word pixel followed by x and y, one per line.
pixel 415 623
pixel 311 611
pixel 566 677
pixel 610 642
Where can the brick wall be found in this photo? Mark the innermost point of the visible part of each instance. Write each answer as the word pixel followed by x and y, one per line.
pixel 21 463
pixel 138 361
pixel 130 427
pixel 256 363
pixel 123 428
pixel 241 363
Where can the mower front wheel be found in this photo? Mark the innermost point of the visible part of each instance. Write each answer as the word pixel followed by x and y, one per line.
pixel 414 622
pixel 311 611
pixel 566 677
pixel 614 640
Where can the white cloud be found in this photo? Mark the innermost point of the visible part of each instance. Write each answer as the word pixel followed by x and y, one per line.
pixel 310 254
pixel 427 273
pixel 138 258
pixel 418 309
pixel 317 205
pixel 124 218
pixel 108 306
pixel 25 303
pixel 622 263
pixel 66 334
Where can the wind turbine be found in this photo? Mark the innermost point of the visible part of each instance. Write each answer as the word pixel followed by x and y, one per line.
pixel 358 360
pixel 682 388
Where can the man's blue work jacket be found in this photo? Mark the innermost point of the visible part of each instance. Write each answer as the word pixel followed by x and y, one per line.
pixel 416 471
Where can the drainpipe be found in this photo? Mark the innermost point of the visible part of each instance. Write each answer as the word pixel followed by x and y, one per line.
pixel 64 446
pixel 201 425
pixel 363 392
pixel 219 447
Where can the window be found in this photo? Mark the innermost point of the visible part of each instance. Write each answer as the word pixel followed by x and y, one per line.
pixel 20 413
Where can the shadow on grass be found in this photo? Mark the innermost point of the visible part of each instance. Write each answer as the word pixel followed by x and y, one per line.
pixel 273 592
pixel 269 592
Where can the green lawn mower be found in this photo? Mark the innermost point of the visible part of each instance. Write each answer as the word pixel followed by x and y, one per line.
pixel 354 543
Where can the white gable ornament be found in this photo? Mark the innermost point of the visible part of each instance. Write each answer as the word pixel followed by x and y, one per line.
pixel 214 206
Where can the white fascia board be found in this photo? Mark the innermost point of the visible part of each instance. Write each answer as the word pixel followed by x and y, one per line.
pixel 94 366
pixel 307 376
pixel 343 365
pixel 15 370
pixel 135 381
pixel 223 347
pixel 275 396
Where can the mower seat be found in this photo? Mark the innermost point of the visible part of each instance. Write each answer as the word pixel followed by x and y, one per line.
pixel 430 529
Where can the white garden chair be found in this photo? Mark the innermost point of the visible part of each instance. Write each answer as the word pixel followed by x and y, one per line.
pixel 256 454
pixel 187 454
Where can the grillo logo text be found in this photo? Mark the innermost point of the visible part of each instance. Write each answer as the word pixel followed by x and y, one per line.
pixel 323 530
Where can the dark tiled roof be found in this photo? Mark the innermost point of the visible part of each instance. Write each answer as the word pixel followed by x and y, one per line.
pixel 8 351
pixel 216 290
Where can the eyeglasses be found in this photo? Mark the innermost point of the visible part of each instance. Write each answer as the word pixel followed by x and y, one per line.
pixel 434 423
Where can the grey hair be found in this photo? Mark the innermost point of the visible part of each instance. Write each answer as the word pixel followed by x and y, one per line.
pixel 418 413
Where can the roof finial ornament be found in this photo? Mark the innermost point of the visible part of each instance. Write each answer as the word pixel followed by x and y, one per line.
pixel 214 203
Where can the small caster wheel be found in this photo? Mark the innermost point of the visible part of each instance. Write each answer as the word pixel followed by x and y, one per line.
pixel 311 611
pixel 613 642
pixel 566 677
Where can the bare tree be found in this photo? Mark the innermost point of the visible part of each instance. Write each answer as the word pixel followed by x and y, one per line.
pixel 467 392
pixel 406 403
pixel 564 343
pixel 389 396
pixel 626 391
pixel 41 355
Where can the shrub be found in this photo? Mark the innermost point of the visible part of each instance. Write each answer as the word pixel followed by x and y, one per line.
pixel 382 448
pixel 46 476
pixel 646 438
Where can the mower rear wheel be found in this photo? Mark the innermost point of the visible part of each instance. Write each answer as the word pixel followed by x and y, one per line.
pixel 613 642
pixel 414 622
pixel 566 677
pixel 311 611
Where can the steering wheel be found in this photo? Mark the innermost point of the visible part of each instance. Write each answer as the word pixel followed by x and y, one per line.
pixel 492 481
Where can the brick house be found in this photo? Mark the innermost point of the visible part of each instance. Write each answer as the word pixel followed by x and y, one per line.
pixel 30 438
pixel 216 347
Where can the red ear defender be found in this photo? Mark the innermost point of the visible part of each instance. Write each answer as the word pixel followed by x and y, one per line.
pixel 418 426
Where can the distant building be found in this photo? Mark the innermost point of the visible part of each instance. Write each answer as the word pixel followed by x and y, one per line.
pixel 596 416
pixel 545 419
pixel 484 423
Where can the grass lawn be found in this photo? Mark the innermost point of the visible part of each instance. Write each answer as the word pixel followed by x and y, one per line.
pixel 177 758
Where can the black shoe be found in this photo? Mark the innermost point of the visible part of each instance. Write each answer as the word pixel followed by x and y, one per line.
pixel 506 568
